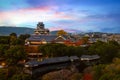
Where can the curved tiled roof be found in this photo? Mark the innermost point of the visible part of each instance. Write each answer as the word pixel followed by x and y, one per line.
pixel 47 38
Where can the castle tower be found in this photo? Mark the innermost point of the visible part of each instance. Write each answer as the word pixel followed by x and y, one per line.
pixel 40 30
pixel 40 25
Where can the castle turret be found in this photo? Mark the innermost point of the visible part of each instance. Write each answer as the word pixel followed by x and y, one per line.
pixel 40 30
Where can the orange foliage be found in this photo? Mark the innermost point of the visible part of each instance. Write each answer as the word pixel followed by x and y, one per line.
pixel 87 76
pixel 80 42
pixel 68 43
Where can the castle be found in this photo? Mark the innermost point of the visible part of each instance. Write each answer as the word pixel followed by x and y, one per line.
pixel 42 36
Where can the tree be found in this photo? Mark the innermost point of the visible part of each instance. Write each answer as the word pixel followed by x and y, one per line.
pixel 4 39
pixel 93 48
pixel 13 38
pixel 63 74
pixel 114 43
pixel 3 48
pixel 21 76
pixel 74 51
pixel 98 71
pixel 61 32
pixel 22 38
pixel 15 54
pixel 85 40
pixel 107 72
pixel 76 76
pixel 52 50
pixel 106 51
pixel 13 34
pixel 3 74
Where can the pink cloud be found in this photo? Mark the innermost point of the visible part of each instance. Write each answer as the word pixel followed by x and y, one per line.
pixel 44 8
pixel 33 15
pixel 66 29
pixel 56 28
pixel 63 15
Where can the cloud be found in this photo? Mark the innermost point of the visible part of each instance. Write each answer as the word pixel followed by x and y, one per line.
pixel 56 28
pixel 71 15
pixel 66 29
pixel 74 30
pixel 103 17
pixel 34 15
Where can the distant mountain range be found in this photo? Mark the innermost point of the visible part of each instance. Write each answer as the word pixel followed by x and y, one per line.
pixel 6 30
pixel 18 30
pixel 54 32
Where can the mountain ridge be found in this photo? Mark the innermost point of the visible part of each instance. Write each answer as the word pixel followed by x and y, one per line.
pixel 6 30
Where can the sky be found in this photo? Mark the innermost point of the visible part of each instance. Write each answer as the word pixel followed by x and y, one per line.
pixel 69 15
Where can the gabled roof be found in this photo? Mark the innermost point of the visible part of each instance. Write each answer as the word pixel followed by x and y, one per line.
pixel 64 38
pixel 48 38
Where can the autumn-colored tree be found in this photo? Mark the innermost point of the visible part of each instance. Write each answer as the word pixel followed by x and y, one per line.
pixel 63 74
pixel 107 72
pixel 61 32
pixel 76 76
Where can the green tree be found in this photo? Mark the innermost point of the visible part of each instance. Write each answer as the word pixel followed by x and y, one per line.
pixel 107 51
pixel 13 39
pixel 106 77
pixel 3 48
pixel 114 43
pixel 21 76
pixel 15 54
pixel 13 34
pixel 93 48
pixel 98 71
pixel 52 50
pixel 3 74
pixel 4 39
pixel 22 38
pixel 74 51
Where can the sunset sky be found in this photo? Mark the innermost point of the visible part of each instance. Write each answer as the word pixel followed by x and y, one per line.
pixel 70 15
